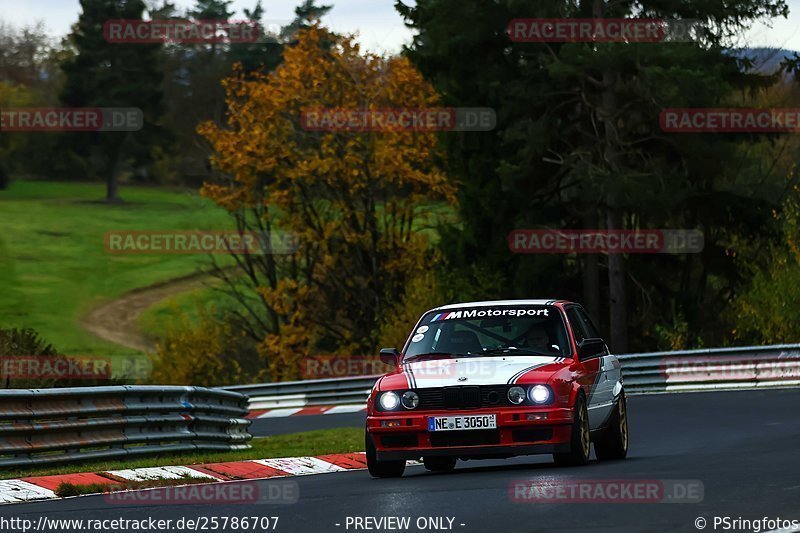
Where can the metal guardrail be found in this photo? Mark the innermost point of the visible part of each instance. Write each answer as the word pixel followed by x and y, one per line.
pixel 51 426
pixel 712 369
pixel 677 371
pixel 290 394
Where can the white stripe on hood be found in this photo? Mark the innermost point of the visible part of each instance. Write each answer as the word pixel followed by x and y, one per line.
pixel 478 370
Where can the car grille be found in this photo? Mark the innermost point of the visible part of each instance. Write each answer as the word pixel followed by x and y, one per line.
pixel 464 397
pixel 531 434
pixel 401 440
pixel 465 438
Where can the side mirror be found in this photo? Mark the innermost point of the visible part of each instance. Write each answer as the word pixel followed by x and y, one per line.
pixel 390 356
pixel 589 348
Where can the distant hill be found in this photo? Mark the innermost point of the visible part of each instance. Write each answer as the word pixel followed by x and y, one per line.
pixel 766 60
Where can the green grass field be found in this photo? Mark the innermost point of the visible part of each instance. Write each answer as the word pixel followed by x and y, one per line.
pixel 54 267
pixel 157 318
pixel 53 262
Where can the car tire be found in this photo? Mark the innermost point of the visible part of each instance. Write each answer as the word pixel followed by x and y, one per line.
pixel 612 443
pixel 580 440
pixel 439 464
pixel 381 469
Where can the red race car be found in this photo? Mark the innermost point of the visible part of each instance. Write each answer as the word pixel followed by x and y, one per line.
pixel 487 380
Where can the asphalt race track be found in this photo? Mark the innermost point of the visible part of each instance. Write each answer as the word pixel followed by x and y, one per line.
pixel 743 446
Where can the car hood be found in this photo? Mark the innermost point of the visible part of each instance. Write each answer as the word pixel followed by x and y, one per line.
pixel 467 371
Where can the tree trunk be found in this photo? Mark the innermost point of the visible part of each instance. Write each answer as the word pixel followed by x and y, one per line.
pixel 4 180
pixel 591 273
pixel 112 179
pixel 618 311
pixel 112 188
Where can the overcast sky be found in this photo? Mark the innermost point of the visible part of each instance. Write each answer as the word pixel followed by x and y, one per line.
pixel 380 27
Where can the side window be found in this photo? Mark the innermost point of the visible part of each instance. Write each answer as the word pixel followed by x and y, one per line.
pixel 588 326
pixel 577 325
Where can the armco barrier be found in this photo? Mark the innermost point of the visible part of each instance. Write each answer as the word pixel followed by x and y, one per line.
pixel 687 370
pixel 334 391
pixel 50 426
pixel 714 368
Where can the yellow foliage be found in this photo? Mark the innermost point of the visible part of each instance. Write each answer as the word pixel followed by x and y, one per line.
pixel 201 354
pixel 353 200
pixel 766 313
pixel 422 293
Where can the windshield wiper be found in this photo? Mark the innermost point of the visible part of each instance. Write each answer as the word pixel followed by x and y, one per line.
pixel 430 354
pixel 516 351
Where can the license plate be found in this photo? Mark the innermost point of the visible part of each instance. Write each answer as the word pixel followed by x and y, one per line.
pixel 457 423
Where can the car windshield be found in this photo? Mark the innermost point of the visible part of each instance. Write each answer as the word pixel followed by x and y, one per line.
pixel 490 331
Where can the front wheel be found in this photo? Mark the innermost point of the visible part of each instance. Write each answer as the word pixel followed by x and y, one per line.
pixel 381 468
pixel 439 464
pixel 613 441
pixel 578 453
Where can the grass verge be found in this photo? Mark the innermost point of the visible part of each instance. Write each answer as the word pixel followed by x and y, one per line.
pixel 157 319
pixel 65 490
pixel 319 442
pixel 53 263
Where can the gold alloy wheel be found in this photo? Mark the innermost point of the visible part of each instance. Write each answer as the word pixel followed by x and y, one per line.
pixel 584 431
pixel 623 423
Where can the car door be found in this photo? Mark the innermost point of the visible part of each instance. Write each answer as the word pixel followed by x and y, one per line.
pixel 597 384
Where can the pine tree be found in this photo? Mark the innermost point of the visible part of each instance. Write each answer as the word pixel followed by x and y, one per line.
pixel 578 145
pixel 304 16
pixel 104 74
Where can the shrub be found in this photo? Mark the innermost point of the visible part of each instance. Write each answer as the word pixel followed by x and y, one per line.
pixel 211 351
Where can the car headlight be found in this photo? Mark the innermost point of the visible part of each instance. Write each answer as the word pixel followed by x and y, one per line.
pixel 539 394
pixel 516 395
pixel 389 401
pixel 410 399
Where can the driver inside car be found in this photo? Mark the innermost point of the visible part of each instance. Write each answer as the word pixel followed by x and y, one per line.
pixel 537 338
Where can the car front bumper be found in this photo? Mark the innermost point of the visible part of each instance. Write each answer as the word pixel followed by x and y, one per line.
pixel 521 430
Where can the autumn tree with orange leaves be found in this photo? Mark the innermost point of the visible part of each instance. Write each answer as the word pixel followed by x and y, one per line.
pixel 355 201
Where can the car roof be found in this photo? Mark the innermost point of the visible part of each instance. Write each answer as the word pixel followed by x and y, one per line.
pixel 549 301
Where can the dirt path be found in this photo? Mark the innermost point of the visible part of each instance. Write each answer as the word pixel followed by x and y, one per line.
pixel 115 321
